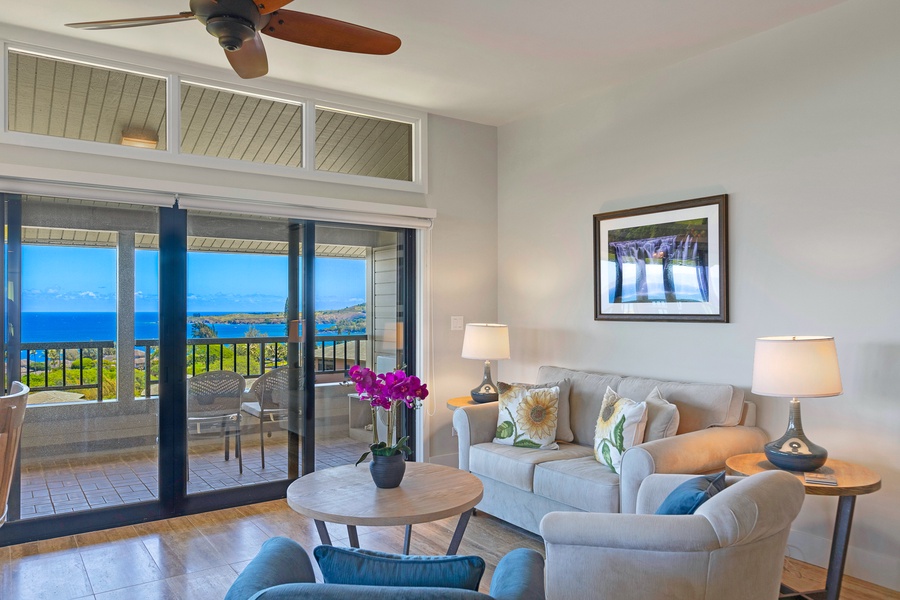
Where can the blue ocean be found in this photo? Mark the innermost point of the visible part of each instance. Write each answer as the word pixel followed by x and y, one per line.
pixel 96 326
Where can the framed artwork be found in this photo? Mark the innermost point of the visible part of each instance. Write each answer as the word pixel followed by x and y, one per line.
pixel 663 263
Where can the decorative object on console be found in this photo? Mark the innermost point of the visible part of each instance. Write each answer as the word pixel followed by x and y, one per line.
pixel 689 495
pixel 388 391
pixel 620 426
pixel 528 416
pixel 662 263
pixel 487 342
pixel 796 367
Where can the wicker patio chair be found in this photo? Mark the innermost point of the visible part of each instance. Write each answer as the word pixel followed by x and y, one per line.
pixel 12 415
pixel 214 405
pixel 270 402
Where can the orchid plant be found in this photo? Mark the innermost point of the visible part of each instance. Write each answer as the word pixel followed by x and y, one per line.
pixel 387 391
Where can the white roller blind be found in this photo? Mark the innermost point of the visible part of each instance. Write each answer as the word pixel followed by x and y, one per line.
pixel 246 202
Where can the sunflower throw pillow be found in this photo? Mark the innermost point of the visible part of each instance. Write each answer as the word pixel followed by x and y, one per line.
pixel 528 416
pixel 619 427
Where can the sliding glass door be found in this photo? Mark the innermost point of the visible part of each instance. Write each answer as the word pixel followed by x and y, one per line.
pixel 82 325
pixel 187 360
pixel 360 313
pixel 244 384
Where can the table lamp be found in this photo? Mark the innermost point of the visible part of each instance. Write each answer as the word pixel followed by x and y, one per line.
pixel 796 367
pixel 486 341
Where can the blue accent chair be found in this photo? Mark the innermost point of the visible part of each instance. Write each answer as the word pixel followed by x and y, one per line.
pixel 282 571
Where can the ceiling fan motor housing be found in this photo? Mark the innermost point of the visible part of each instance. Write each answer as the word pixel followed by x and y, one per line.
pixel 232 22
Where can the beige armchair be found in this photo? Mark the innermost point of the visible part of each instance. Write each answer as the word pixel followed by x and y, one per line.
pixel 12 415
pixel 732 547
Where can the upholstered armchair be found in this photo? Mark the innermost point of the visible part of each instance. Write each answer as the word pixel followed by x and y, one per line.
pixel 12 416
pixel 731 547
pixel 282 571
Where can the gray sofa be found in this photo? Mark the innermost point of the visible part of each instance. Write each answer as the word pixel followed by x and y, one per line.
pixel 521 485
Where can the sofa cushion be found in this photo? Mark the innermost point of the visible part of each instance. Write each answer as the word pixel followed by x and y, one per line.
pixel 700 405
pixel 662 417
pixel 355 566
pixel 527 416
pixel 582 483
pixel 585 398
pixel 515 466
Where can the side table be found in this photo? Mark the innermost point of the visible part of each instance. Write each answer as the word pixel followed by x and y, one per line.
pixel 852 480
pixel 454 403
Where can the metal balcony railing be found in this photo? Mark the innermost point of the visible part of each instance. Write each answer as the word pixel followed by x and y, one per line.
pixel 70 366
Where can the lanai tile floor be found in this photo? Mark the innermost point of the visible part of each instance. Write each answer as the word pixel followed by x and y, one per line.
pixel 78 483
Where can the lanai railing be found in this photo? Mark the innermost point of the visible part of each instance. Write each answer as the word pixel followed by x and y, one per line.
pixel 86 366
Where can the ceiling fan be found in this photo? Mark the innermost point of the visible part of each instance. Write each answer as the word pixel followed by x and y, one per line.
pixel 238 23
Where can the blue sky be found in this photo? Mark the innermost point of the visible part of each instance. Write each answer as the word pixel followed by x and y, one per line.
pixel 59 278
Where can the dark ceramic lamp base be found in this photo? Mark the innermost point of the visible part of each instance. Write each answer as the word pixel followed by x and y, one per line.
pixel 486 390
pixel 794 451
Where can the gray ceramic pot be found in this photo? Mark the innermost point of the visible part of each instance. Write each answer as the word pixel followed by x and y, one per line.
pixel 387 471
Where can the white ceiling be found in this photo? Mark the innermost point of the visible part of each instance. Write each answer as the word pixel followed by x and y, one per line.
pixel 488 61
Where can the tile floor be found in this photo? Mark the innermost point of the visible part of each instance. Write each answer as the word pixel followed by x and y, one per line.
pixel 60 485
pixel 197 557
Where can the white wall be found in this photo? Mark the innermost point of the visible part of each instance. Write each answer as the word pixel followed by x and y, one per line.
pixel 462 184
pixel 800 126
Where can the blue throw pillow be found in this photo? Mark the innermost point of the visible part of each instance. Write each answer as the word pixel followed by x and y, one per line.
pixel 688 496
pixel 369 567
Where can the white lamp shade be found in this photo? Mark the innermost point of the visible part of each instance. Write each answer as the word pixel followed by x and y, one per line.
pixel 486 341
pixel 796 367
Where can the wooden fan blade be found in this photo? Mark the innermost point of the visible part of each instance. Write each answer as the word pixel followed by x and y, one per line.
pixel 138 22
pixel 250 61
pixel 331 34
pixel 269 6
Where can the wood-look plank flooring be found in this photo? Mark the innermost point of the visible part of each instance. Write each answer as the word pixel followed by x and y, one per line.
pixel 197 557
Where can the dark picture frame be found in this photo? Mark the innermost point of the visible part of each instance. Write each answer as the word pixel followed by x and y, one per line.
pixel 667 262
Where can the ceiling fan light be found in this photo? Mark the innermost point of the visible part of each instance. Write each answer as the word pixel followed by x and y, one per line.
pixel 231 32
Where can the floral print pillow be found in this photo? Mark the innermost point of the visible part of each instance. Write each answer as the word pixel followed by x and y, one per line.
pixel 620 426
pixel 528 416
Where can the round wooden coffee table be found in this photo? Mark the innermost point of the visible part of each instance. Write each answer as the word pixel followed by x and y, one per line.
pixel 347 495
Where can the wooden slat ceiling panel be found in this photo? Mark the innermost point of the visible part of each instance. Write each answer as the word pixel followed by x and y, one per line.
pixel 361 145
pixel 228 125
pixel 63 99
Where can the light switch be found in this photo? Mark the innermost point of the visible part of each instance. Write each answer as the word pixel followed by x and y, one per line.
pixel 456 323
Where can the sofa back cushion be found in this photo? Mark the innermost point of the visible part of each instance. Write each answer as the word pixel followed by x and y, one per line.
pixel 700 405
pixel 585 397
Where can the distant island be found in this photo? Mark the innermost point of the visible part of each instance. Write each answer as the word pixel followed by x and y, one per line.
pixel 351 319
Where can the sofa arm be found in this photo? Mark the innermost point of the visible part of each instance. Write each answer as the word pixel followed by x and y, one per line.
pixel 519 576
pixel 695 452
pixel 474 425
pixel 279 561
pixel 593 555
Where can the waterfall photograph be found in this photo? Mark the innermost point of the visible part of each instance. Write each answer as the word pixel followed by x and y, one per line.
pixel 663 262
